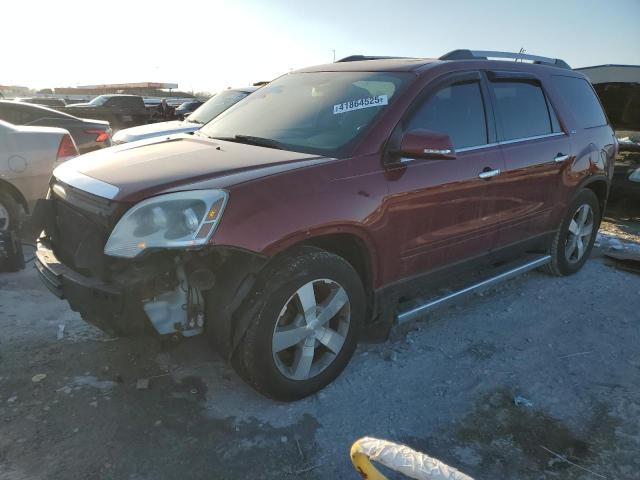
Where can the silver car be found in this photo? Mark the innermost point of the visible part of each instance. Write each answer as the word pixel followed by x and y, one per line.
pixel 28 155
pixel 204 114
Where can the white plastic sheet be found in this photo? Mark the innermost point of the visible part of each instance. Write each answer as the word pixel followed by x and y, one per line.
pixel 403 459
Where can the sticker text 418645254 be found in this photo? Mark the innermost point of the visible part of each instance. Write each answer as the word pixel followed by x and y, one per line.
pixel 375 101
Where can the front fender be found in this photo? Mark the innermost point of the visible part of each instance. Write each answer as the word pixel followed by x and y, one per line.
pixel 272 214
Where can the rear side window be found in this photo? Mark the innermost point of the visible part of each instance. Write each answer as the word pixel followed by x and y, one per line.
pixel 582 100
pixel 19 114
pixel 458 111
pixel 523 110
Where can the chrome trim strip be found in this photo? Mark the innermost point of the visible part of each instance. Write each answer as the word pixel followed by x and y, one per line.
pixel 516 140
pixel 470 149
pixel 438 302
pixel 506 142
pixel 69 175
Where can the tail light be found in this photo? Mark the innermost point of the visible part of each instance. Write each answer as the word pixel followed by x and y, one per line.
pixel 101 135
pixel 67 149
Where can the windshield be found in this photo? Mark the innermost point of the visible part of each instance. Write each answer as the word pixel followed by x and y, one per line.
pixel 318 112
pixel 216 105
pixel 187 105
pixel 98 101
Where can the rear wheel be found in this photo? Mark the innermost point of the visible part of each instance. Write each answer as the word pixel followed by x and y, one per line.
pixel 305 313
pixel 574 240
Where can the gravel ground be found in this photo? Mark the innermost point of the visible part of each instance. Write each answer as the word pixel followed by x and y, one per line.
pixel 70 407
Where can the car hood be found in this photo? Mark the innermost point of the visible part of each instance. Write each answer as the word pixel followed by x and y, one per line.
pixel 138 170
pixel 154 130
pixel 79 105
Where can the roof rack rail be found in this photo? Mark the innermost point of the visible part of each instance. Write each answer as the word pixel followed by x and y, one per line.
pixel 485 54
pixel 358 58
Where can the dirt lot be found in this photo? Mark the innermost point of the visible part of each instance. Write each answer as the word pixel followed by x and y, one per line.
pixel 568 345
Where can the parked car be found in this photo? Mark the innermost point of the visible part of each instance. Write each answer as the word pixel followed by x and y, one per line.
pixel 45 101
pixel 204 114
pixel 325 202
pixel 187 108
pixel 618 87
pixel 88 135
pixel 121 111
pixel 28 155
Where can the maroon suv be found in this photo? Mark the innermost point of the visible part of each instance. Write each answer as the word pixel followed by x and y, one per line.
pixel 324 204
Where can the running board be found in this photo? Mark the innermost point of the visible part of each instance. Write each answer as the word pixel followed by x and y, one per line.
pixel 420 310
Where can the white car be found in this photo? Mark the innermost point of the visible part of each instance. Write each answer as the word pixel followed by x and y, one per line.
pixel 28 155
pixel 203 114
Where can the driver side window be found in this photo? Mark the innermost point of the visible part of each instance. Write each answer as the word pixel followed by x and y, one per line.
pixel 458 111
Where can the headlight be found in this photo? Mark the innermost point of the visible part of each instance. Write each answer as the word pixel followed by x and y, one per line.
pixel 635 175
pixel 174 220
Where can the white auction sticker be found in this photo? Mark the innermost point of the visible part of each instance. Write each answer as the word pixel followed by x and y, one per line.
pixel 360 103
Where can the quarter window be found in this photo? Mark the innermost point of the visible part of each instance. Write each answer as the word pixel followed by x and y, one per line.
pixel 18 114
pixel 582 100
pixel 522 110
pixel 458 111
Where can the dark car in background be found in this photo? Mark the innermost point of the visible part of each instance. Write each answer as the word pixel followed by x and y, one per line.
pixel 44 101
pixel 326 201
pixel 187 108
pixel 618 87
pixel 202 115
pixel 121 111
pixel 88 134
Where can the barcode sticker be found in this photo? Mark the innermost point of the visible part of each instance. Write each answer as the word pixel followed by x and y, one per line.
pixel 360 103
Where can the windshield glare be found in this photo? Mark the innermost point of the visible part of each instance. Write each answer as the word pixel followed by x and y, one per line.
pixel 216 105
pixel 98 101
pixel 318 112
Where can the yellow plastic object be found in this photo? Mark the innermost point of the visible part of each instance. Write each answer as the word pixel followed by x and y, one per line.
pixel 363 465
pixel 399 458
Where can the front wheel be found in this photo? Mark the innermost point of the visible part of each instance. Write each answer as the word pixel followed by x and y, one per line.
pixel 305 312
pixel 8 212
pixel 574 240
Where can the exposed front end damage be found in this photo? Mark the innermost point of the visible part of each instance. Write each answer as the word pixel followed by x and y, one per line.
pixel 166 291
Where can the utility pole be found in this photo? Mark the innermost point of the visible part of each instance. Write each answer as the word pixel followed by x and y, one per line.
pixel 334 55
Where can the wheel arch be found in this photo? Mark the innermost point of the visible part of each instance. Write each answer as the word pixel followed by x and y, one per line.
pixel 600 186
pixel 15 194
pixel 350 247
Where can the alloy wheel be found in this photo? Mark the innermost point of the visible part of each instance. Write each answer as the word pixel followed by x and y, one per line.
pixel 579 234
pixel 311 329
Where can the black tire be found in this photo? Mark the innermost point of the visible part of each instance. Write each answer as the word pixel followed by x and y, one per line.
pixel 276 286
pixel 15 262
pixel 560 265
pixel 8 202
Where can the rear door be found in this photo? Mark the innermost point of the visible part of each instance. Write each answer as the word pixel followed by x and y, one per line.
pixel 439 211
pixel 535 150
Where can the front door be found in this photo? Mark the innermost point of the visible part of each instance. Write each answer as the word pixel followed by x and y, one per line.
pixel 440 210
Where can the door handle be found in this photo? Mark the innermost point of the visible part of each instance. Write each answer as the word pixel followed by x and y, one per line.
pixel 487 173
pixel 560 158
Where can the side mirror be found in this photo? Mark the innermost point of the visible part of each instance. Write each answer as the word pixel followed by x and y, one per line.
pixel 426 144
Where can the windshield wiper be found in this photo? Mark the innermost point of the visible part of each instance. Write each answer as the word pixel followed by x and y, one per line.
pixel 251 140
pixel 193 121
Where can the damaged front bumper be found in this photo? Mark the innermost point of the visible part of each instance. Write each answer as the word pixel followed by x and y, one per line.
pixel 165 294
pixel 99 303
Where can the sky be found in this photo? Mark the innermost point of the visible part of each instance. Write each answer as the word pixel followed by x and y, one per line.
pixel 211 45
